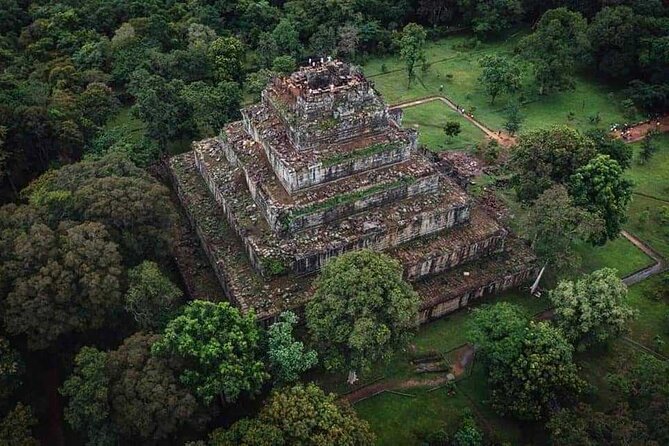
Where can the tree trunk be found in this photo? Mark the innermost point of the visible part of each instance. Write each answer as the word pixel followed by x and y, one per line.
pixel 352 377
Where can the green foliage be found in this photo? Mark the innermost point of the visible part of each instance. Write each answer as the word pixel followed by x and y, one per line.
pixel 226 55
pixel 287 357
pixel 601 188
pixel 361 310
pixel 493 17
pixel 212 105
pixel 644 386
pixel 547 156
pixel 592 309
pixel 556 47
pixel 256 82
pixel 146 399
pixel 284 65
pixel 151 297
pixel 648 148
pixel 554 224
pixel 87 389
pixel 302 415
pixel 500 75
pixel 11 369
pixel 529 365
pixel 606 144
pixel 514 119
pixel 218 348
pixel 16 427
pixel 583 425
pixel 412 49
pixel 70 282
pixel 468 434
pixel 452 128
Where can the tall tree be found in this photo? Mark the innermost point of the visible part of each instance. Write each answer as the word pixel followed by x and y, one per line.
pixel 361 311
pixel 16 427
pixel 601 188
pixel 554 224
pixel 70 282
pixel 614 36
pixel 151 297
pixel 12 368
pixel 288 357
pixel 547 156
pixel 412 49
pixel 556 48
pixel 212 106
pixel 592 309
pixel 219 350
pixel 499 75
pixel 302 414
pixel 226 55
pixel 87 389
pixel 529 365
pixel 616 148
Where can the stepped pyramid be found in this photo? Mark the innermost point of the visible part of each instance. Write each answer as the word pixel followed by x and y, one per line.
pixel 322 166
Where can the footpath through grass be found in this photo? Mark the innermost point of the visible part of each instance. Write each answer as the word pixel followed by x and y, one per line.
pixel 457 69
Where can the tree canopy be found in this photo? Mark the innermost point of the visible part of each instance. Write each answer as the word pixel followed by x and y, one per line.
pixel 361 310
pixel 288 357
pixel 218 348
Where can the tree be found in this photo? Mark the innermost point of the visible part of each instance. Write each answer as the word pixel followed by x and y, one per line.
pixel 348 41
pixel 547 156
pixel 452 128
pixel 70 282
pixel 212 106
pixel 614 36
pixel 493 16
pixel 411 48
pixel 601 188
pixel 160 105
pixel 87 389
pixel 554 224
pixel 584 426
pixel 468 434
pixel 644 386
pixel 226 55
pixel 616 148
pixel 146 399
pixel 499 75
pixel 302 414
pixel 528 364
pixel 648 147
pixel 284 65
pixel 218 348
pixel 556 47
pixel 151 297
pixel 287 356
pixel 514 119
pixel 592 309
pixel 287 38
pixel 11 369
pixel 361 311
pixel 16 427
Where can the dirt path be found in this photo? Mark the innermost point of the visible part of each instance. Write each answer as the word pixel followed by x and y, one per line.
pixel 639 131
pixel 503 138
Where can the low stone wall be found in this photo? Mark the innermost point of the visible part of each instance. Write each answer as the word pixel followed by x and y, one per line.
pixel 443 261
pixel 452 303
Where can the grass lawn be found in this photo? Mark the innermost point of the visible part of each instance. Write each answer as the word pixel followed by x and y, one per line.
pixel 652 178
pixel 429 119
pixel 458 71
pixel 619 254
pixel 133 127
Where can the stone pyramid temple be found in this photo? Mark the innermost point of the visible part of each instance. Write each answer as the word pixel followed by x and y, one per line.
pixel 322 166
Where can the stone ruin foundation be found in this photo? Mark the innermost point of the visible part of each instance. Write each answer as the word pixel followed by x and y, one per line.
pixel 320 167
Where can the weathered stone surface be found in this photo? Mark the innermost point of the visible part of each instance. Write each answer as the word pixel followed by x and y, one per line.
pixel 321 167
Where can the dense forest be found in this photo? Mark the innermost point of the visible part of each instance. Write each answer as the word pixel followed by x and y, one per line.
pixel 94 323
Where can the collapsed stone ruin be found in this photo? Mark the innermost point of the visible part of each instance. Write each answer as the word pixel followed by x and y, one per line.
pixel 320 167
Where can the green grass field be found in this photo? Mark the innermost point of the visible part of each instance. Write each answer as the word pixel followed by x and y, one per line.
pixel 429 119
pixel 403 420
pixel 458 71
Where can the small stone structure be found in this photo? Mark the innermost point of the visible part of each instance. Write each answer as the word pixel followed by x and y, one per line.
pixel 321 167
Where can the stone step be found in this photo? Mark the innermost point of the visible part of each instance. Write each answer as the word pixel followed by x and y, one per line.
pixel 286 213
pixel 298 170
pixel 481 237
pixel 307 251
pixel 447 292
